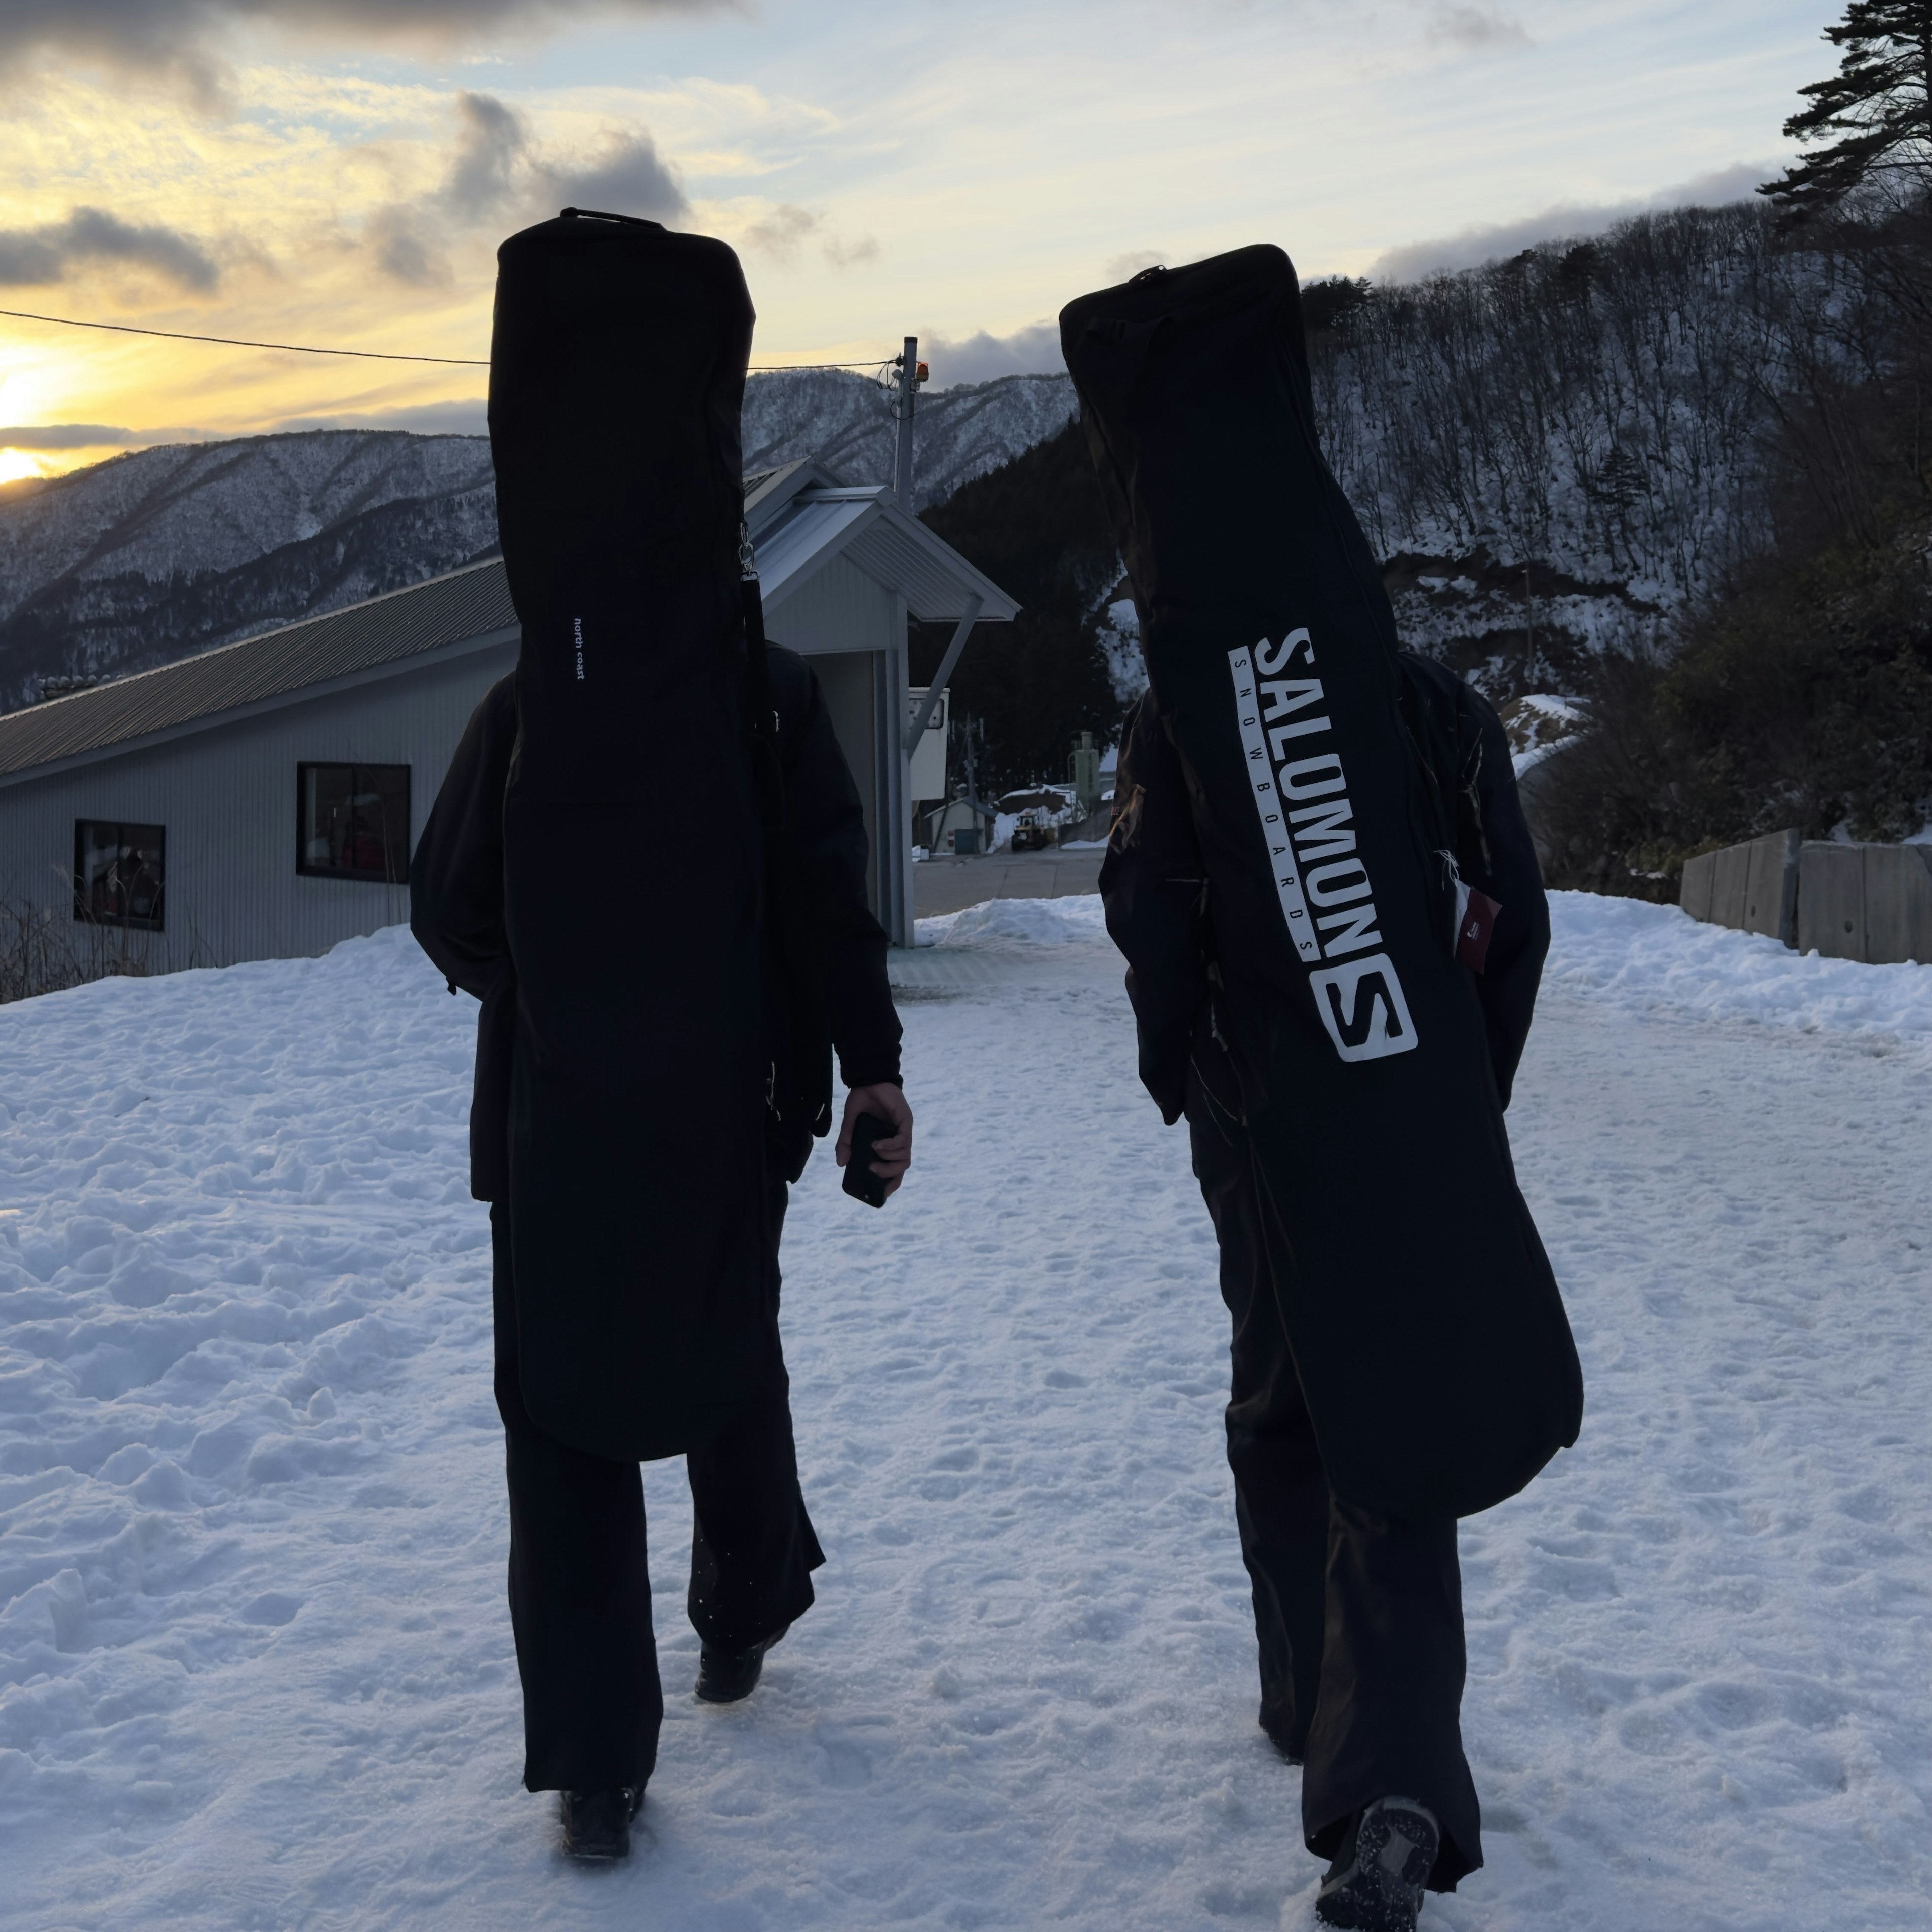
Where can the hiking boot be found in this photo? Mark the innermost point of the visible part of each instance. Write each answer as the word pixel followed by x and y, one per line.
pixel 597 1824
pixel 729 1676
pixel 1375 1883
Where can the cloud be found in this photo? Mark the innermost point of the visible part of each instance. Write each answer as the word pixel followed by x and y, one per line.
pixel 405 250
pixel 1032 351
pixel 178 32
pixel 496 167
pixel 1469 247
pixel 626 176
pixel 35 257
pixel 97 435
pixel 782 233
pixel 490 140
pixel 1716 187
pixel 63 436
pixel 458 419
pixel 406 238
pixel 849 254
pixel 1476 30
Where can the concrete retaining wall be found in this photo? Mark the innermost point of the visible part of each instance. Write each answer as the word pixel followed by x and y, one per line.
pixel 1749 888
pixel 1868 902
pixel 1872 903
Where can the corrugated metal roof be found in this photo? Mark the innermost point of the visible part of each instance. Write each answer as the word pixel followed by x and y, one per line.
pixel 769 492
pixel 469 603
pixel 934 580
pixel 867 525
pixel 789 554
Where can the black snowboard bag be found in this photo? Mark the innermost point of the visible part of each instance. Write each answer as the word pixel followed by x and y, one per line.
pixel 1427 1327
pixel 632 839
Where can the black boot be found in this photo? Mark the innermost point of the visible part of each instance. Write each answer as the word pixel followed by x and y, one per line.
pixel 597 1824
pixel 727 1676
pixel 1375 1883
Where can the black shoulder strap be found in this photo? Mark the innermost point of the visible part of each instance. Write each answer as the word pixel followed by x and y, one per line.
pixel 799 1094
pixel 758 667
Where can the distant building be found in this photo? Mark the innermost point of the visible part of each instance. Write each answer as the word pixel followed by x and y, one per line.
pixel 261 800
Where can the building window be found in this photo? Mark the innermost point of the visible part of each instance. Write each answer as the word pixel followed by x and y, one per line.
pixel 119 873
pixel 352 822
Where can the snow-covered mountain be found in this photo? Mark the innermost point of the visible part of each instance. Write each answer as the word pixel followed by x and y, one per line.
pixel 149 556
pixel 152 556
pixel 846 422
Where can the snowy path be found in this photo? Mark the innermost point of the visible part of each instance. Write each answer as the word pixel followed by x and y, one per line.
pixel 254 1668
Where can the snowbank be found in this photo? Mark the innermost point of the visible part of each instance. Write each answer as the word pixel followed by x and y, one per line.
pixel 1638 958
pixel 1076 919
pixel 1626 955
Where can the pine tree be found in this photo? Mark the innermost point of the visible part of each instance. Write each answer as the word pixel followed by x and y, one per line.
pixel 1879 102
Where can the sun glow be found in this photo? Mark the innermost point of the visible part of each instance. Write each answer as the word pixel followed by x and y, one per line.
pixel 16 464
pixel 35 379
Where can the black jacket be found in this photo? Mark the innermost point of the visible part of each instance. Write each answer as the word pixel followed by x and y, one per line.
pixel 1467 752
pixel 456 913
pixel 1154 880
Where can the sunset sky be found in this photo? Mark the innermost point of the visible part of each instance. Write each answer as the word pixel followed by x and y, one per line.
pixel 339 172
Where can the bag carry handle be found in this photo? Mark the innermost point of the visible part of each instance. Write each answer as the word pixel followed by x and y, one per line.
pixel 602 214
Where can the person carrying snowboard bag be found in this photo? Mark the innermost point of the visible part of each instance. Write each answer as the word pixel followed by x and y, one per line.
pixel 654 1051
pixel 1324 887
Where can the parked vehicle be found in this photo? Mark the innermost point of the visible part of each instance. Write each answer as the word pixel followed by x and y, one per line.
pixel 1034 832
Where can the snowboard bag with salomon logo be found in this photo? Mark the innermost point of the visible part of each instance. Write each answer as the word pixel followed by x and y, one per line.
pixel 632 842
pixel 1428 1331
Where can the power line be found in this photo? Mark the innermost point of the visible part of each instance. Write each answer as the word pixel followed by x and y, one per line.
pixel 363 355
pixel 237 342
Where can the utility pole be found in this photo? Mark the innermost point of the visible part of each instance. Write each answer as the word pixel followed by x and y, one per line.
pixel 911 372
pixel 972 784
pixel 973 734
pixel 898 902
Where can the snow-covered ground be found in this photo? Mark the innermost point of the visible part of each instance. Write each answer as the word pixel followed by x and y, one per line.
pixel 255 1669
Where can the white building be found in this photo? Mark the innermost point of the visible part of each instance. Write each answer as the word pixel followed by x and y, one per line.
pixel 261 800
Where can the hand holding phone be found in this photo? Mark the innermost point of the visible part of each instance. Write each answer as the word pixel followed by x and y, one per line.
pixel 861 1182
pixel 875 1142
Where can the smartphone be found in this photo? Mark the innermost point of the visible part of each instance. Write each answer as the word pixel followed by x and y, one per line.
pixel 860 1182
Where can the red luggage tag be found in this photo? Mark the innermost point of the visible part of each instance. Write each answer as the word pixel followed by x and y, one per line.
pixel 1475 925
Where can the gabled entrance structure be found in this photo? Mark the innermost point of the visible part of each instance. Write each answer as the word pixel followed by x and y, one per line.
pixel 842 567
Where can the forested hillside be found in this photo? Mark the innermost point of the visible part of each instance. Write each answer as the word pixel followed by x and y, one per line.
pixel 1038 526
pixel 1590 414
pixel 1682 473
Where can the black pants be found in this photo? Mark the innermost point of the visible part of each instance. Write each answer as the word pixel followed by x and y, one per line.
pixel 1360 1618
pixel 580 1589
